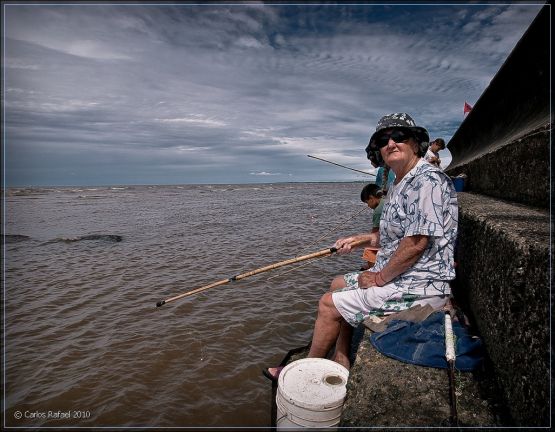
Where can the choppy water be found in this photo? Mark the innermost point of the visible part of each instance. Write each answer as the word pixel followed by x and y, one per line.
pixel 85 267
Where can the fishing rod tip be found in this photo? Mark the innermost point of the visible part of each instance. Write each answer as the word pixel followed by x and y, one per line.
pixel 160 303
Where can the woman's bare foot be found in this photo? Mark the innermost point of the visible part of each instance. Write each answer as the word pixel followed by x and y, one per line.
pixel 342 359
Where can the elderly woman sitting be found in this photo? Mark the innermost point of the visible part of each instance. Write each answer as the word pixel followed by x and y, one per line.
pixel 417 235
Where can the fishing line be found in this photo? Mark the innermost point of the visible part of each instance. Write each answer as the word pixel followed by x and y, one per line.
pixel 333 229
pixel 306 264
pixel 315 242
pixel 339 165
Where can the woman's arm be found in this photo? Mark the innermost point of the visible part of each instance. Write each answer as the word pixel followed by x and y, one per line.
pixel 409 251
pixel 344 245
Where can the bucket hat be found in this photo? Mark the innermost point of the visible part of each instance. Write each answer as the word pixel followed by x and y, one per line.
pixel 392 121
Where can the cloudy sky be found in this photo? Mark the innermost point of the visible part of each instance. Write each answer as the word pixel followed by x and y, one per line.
pixel 106 94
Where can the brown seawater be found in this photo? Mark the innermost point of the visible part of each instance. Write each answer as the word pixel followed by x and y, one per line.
pixel 84 343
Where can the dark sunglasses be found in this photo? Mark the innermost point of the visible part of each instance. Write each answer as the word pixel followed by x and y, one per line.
pixel 397 135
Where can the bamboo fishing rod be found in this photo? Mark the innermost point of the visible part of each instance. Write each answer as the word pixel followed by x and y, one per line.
pixel 319 254
pixel 317 241
pixel 342 166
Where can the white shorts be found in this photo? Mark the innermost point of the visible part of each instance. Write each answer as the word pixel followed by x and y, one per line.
pixel 356 304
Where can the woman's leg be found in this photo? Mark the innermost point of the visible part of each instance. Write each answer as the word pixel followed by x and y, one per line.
pixel 326 328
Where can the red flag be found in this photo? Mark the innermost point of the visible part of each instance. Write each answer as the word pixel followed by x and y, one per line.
pixel 467 107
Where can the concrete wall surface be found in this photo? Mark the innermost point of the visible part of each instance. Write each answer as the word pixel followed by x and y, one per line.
pixel 503 281
pixel 385 393
pixel 503 278
pixel 517 172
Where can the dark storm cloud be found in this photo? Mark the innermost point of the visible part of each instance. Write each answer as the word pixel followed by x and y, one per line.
pixel 234 93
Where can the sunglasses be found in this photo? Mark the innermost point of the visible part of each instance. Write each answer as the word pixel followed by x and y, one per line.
pixel 397 135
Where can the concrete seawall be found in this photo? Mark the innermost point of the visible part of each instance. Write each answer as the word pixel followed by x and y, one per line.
pixel 516 103
pixel 503 147
pixel 518 172
pixel 503 282
pixel 504 265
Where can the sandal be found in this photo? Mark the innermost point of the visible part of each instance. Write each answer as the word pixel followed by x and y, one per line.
pixel 272 373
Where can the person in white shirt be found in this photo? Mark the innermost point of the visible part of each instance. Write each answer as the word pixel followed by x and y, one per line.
pixel 432 155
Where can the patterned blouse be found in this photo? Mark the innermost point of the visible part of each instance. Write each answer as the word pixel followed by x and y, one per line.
pixel 423 203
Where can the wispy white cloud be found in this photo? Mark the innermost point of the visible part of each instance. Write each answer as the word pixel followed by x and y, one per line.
pixel 194 119
pixel 16 63
pixel 265 174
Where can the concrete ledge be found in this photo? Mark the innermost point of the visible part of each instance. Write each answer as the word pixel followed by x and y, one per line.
pixel 494 174
pixel 383 392
pixel 503 283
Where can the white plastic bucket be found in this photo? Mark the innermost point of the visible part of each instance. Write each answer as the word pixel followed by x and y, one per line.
pixel 310 393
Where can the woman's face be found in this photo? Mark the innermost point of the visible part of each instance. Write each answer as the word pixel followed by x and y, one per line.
pixel 399 150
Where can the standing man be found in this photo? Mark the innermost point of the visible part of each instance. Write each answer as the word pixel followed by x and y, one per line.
pixel 432 155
